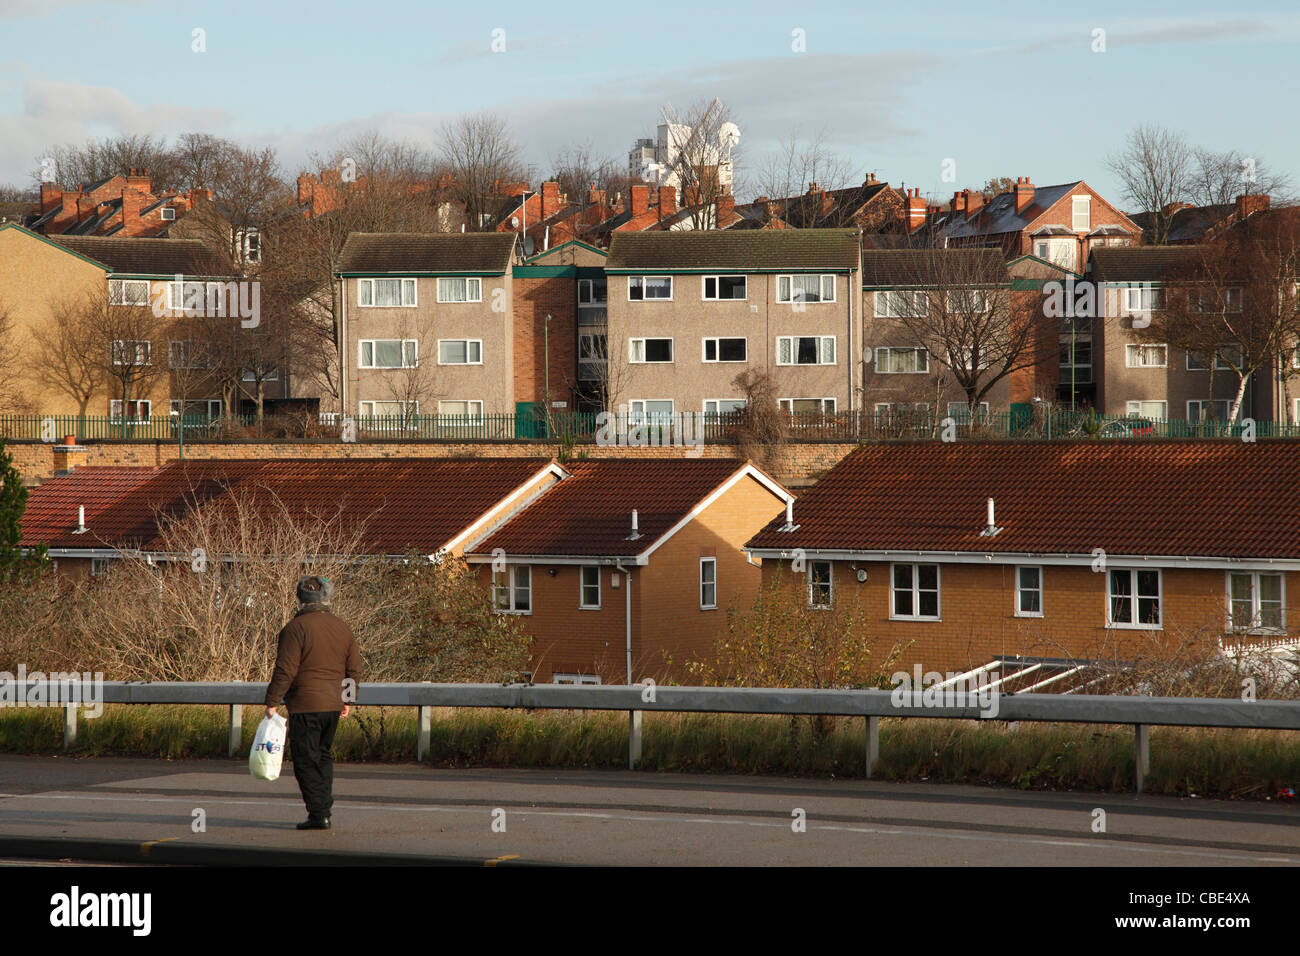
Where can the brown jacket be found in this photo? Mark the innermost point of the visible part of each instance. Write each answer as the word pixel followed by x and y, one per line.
pixel 316 651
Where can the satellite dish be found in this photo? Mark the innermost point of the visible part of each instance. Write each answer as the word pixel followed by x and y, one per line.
pixel 728 136
pixel 514 222
pixel 528 245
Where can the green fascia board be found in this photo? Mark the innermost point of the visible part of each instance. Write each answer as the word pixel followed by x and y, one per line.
pixel 733 271
pixel 545 272
pixel 416 275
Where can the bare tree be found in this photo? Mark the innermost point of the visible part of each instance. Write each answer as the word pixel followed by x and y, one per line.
pixel 795 166
pixel 112 156
pixel 698 165
pixel 67 357
pixel 1156 168
pixel 578 168
pixel 248 193
pixel 12 366
pixel 479 152
pixel 124 337
pixel 1218 178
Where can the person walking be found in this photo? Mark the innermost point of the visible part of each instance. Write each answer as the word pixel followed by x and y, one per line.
pixel 316 661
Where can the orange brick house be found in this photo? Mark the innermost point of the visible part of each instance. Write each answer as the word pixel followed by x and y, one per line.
pixel 628 563
pixel 1087 550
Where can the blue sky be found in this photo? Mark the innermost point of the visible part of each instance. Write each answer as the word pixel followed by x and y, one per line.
pixel 1008 89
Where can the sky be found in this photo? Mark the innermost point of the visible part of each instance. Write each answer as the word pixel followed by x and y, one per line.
pixel 923 94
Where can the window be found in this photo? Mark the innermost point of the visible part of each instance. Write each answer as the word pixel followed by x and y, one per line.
pixel 891 360
pixel 99 566
pixel 1255 601
pixel 128 292
pixel 1080 363
pixel 386 293
pixel 211 407
pixel 1056 251
pixel 914 592
pixel 266 372
pixel 1133 599
pixel 1143 298
pixel 250 245
pixel 394 410
pixel 139 410
pixel 966 355
pixel 1029 591
pixel 708 584
pixel 1140 409
pixel 389 353
pixel 131 352
pixel 724 350
pixel 1203 410
pixel 808 406
pixel 589 589
pixel 593 679
pixel 900 305
pixel 1225 300
pixel 457 289
pixel 805 350
pixel 167 212
pixel 805 288
pixel 1147 356
pixel 1228 358
pixel 960 412
pixel 512 589
pixel 460 351
pixel 591 292
pixel 472 410
pixel 717 288
pixel 591 357
pixel 1081 213
pixel 969 302
pixel 902 411
pixel 821 585
pixel 1196 361
pixel 182 354
pixel 650 350
pixel 723 406
pixel 643 410
pixel 642 288
pixel 210 299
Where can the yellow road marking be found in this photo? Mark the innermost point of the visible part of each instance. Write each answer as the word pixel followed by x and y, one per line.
pixel 501 859
pixel 144 847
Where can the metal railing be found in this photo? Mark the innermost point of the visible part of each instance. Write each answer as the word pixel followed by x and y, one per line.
pixel 680 428
pixel 1139 712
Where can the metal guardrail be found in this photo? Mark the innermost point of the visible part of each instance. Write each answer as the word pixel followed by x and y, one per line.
pixel 1140 712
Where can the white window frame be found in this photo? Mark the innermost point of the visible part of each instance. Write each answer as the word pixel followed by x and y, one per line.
pixel 115 410
pixel 717 406
pixel 472 413
pixel 512 589
pixel 409 409
pixel 1255 626
pixel 1135 353
pixel 1200 357
pixel 1134 597
pixel 414 286
pixel 704 287
pixel 915 591
pixel 1075 203
pixel 888 298
pixel 468 351
pixel 887 351
pixel 640 417
pixel 631 350
pixel 787 405
pixel 118 291
pixel 641 285
pixel 959 411
pixel 100 566
pixel 717 341
pixel 1133 409
pixel 1200 410
pixel 119 350
pixel 829 588
pixel 583 605
pixel 250 375
pixel 473 289
pixel 788 297
pixel 706 562
pixel 167 213
pixel 952 306
pixel 577 679
pixel 410 359
pixel 1020 588
pixel 1149 298
pixel 1067 246
pixel 823 342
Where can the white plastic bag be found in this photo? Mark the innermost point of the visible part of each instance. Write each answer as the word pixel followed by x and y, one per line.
pixel 268 748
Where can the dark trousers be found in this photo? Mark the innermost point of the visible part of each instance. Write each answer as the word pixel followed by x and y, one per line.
pixel 311 737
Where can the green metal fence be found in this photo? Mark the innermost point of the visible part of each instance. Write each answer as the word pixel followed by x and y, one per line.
pixel 676 429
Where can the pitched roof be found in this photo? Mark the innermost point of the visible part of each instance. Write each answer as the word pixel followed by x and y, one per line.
pixel 923 267
pixel 1215 499
pixel 590 513
pixel 1143 263
pixel 999 214
pixel 1189 224
pixel 407 504
pixel 148 257
pixel 757 250
pixel 410 253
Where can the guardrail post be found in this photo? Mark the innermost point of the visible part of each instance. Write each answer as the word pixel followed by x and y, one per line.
pixel 69 726
pixel 633 739
pixel 1142 742
pixel 873 743
pixel 424 718
pixel 236 729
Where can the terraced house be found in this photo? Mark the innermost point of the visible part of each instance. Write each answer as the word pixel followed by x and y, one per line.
pixel 427 326
pixel 689 311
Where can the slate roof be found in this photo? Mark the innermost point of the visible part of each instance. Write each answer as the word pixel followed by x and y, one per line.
pixel 590 513
pixel 1143 263
pixel 1215 499
pixel 409 253
pixel 920 267
pixel 758 250
pixel 149 257
pixel 1189 224
pixel 999 214
pixel 408 504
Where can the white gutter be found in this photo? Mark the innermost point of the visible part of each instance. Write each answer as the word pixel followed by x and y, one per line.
pixel 1029 557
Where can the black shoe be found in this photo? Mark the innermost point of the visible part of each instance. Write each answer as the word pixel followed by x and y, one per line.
pixel 315 823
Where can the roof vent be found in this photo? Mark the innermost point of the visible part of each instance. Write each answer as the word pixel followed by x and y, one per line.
pixel 789 516
pixel 635 533
pixel 81 520
pixel 991 528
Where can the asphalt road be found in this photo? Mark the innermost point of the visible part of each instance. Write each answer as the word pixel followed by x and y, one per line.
pixel 144 811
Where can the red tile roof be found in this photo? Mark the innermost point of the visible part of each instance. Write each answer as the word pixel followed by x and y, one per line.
pixel 1213 499
pixel 409 504
pixel 590 513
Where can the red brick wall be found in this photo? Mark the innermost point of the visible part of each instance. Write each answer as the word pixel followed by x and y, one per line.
pixel 535 298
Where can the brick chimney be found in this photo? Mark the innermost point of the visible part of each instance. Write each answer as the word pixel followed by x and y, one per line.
pixel 68 455
pixel 132 202
pixel 667 201
pixel 550 199
pixel 974 202
pixel 51 194
pixel 870 180
pixel 959 204
pixel 640 199
pixel 916 209
pixel 68 214
pixel 595 197
pixel 726 209
pixel 137 177
pixel 205 195
pixel 304 188
pixel 1249 205
pixel 1024 193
